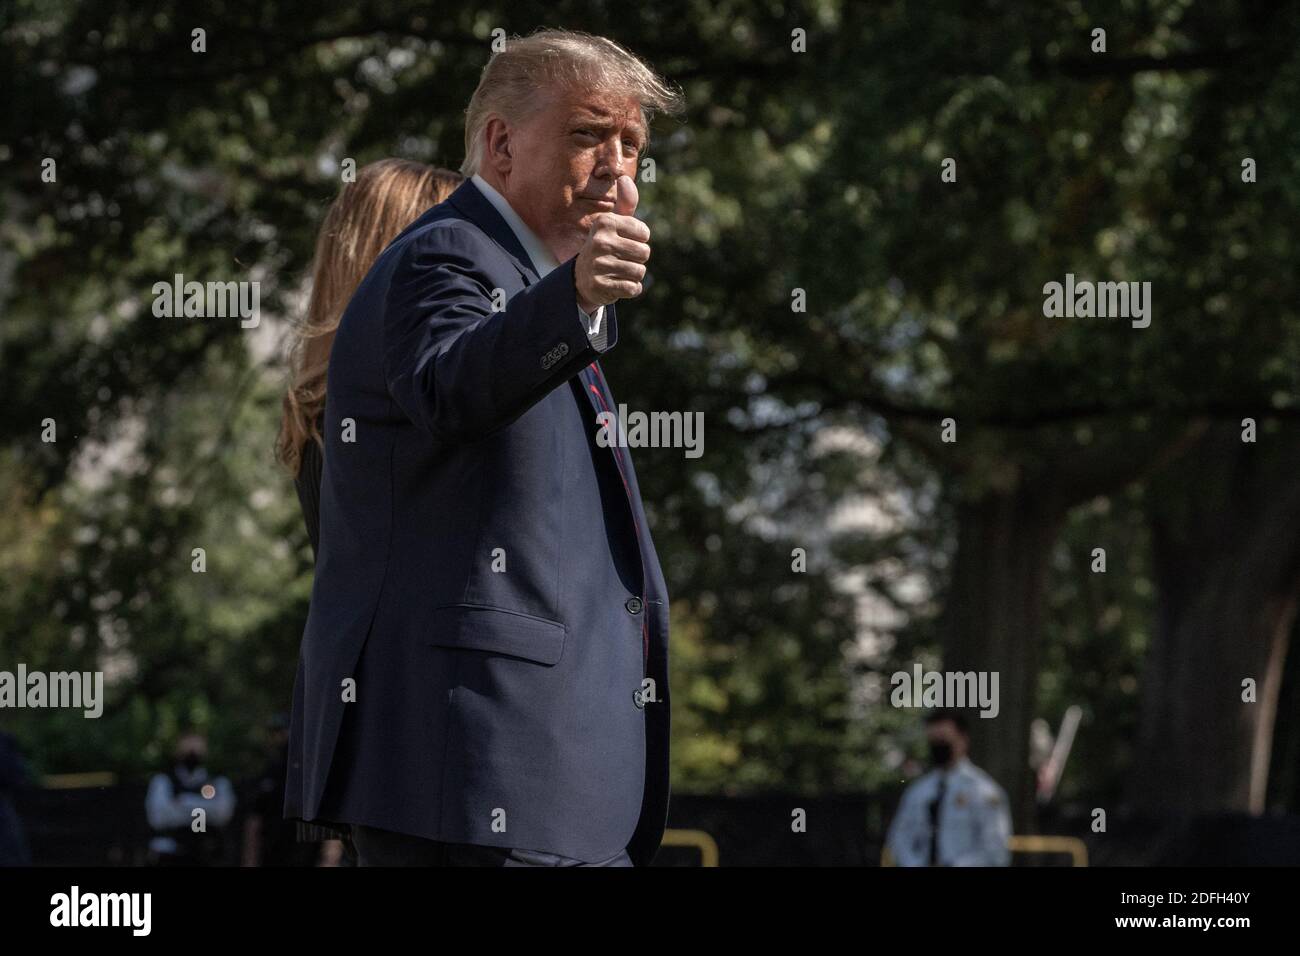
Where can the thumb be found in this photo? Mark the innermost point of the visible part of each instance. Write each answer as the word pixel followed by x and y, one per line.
pixel 625 196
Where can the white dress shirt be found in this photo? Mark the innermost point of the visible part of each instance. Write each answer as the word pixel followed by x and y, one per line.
pixel 974 820
pixel 543 260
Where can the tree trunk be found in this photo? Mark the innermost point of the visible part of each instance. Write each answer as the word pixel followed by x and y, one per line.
pixel 1226 548
pixel 994 620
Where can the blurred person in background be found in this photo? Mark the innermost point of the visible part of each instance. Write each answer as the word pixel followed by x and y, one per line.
pixel 956 814
pixel 170 804
pixel 270 839
pixel 13 775
pixel 387 196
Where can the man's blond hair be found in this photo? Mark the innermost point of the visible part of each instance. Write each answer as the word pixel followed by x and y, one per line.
pixel 514 81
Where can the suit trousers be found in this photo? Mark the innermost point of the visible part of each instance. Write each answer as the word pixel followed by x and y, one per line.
pixel 376 847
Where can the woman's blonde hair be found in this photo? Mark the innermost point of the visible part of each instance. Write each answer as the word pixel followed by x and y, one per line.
pixel 368 214
pixel 514 79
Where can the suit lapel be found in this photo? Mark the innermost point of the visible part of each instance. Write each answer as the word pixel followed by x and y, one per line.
pixel 474 206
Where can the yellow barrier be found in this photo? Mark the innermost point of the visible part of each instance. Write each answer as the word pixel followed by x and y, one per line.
pixel 74 781
pixel 1070 846
pixel 696 838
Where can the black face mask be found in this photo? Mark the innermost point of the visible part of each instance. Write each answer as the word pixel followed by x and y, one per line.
pixel 191 760
pixel 940 753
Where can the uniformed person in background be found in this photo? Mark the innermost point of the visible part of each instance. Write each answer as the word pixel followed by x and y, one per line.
pixel 956 814
pixel 170 804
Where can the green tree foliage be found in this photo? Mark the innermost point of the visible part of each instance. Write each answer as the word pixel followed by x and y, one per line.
pixel 817 170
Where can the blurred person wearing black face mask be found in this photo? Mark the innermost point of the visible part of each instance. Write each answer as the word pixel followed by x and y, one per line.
pixel 955 814
pixel 181 836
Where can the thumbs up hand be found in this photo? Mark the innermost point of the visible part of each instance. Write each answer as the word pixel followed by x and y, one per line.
pixel 611 263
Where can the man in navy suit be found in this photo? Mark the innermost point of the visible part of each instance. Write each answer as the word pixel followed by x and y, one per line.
pixel 484 672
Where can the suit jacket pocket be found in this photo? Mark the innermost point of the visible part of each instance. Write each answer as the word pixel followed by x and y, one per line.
pixel 478 627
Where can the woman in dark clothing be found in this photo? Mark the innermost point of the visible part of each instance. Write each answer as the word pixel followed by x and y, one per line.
pixel 368 214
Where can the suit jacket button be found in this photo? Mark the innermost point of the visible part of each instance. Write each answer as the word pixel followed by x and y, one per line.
pixel 638 699
pixel 633 605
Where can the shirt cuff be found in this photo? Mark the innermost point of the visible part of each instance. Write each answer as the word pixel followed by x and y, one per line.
pixel 597 331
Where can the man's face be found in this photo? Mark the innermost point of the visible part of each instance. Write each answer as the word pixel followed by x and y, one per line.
pixel 192 744
pixel 947 736
pixel 564 162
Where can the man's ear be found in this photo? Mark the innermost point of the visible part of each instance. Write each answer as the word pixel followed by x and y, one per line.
pixel 500 153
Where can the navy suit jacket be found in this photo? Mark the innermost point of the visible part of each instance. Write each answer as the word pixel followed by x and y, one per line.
pixel 486 587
